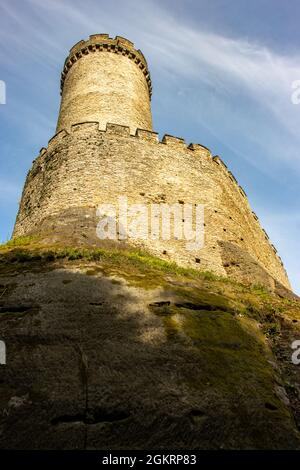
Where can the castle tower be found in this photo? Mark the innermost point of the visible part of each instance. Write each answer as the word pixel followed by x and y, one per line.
pixel 105 80
pixel 105 149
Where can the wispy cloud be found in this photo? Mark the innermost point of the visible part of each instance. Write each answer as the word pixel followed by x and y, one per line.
pixel 231 67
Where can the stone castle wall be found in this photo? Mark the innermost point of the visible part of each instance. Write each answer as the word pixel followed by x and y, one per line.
pixel 105 80
pixel 87 166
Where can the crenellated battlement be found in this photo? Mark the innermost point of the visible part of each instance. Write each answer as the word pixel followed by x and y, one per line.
pixel 141 134
pixel 117 132
pixel 103 43
pixel 174 141
pixel 200 150
pixel 56 139
pixel 149 136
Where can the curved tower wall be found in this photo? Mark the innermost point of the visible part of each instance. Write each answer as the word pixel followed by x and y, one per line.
pixel 87 167
pixel 105 80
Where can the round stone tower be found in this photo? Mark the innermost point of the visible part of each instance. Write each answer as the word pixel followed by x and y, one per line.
pixel 105 80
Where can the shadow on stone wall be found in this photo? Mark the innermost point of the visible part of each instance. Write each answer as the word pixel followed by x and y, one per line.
pixel 242 267
pixel 94 363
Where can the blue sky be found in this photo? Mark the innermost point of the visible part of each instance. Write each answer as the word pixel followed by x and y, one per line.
pixel 222 72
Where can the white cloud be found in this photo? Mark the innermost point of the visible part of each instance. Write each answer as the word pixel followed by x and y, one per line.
pixel 178 51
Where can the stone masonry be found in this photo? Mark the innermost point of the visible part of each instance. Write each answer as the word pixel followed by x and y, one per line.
pixel 105 80
pixel 105 148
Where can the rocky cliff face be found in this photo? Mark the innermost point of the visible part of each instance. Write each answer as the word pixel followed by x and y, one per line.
pixel 117 349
